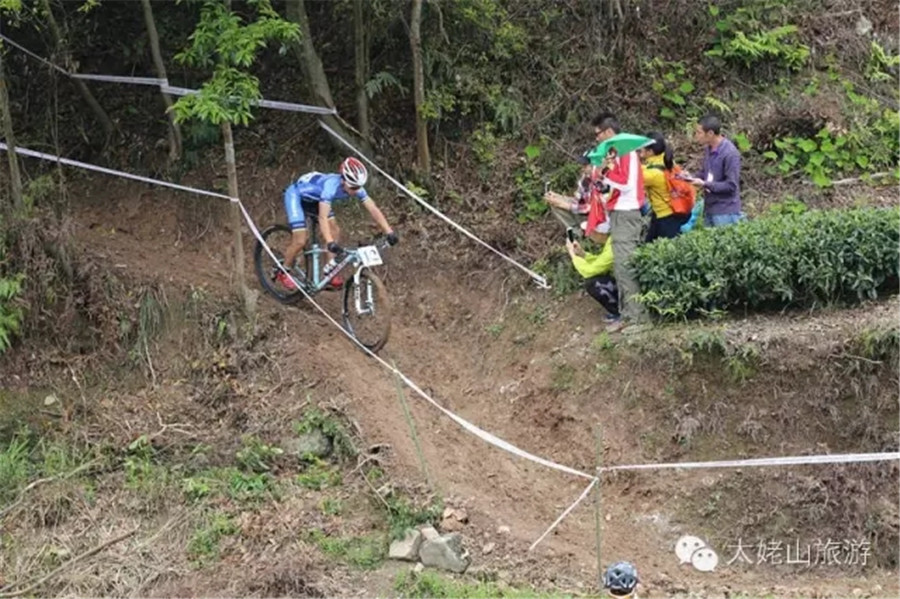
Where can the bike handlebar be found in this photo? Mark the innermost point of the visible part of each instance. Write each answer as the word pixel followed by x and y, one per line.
pixel 380 242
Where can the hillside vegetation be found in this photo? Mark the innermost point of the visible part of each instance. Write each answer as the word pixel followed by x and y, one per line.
pixel 162 435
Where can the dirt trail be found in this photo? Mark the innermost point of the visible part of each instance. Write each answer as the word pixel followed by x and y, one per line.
pixel 494 361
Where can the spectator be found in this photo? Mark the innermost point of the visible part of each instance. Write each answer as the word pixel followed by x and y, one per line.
pixel 625 178
pixel 596 270
pixel 720 177
pixel 573 210
pixel 664 222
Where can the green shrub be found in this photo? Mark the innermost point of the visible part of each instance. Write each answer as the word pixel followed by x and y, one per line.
pixel 757 34
pixel 14 468
pixel 365 552
pixel 778 261
pixel 11 313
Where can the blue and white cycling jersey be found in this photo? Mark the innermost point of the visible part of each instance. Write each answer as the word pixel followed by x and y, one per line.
pixel 305 193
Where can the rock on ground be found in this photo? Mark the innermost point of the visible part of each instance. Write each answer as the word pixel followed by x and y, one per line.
pixel 407 548
pixel 445 552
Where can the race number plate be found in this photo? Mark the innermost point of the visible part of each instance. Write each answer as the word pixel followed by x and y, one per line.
pixel 369 256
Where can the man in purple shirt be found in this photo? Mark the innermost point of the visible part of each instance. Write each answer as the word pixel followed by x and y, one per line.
pixel 720 177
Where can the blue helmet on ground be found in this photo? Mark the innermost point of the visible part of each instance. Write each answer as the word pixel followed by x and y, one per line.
pixel 621 579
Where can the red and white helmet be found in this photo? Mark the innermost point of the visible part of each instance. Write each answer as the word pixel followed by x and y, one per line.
pixel 354 172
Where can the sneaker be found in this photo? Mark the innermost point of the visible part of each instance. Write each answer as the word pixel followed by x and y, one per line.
pixel 616 325
pixel 285 281
pixel 337 282
pixel 611 318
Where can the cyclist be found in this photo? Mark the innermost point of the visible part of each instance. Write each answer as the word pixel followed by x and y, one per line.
pixel 312 196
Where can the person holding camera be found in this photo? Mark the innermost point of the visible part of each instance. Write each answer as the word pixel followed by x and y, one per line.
pixel 572 210
pixel 596 269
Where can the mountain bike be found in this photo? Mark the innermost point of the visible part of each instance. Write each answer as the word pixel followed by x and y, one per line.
pixel 365 306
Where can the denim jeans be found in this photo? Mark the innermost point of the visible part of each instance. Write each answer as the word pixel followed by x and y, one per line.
pixel 721 220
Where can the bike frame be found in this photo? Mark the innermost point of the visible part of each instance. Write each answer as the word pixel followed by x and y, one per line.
pixel 351 257
pixel 317 283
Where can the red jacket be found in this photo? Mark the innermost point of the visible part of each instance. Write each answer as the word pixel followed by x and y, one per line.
pixel 626 179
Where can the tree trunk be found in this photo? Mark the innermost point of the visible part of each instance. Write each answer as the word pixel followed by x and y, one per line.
pixel 415 41
pixel 361 45
pixel 237 222
pixel 105 122
pixel 6 115
pixel 174 129
pixel 315 75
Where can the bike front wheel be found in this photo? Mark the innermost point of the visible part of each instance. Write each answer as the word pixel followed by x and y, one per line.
pixel 367 310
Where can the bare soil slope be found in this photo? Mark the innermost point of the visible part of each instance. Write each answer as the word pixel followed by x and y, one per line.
pixel 539 373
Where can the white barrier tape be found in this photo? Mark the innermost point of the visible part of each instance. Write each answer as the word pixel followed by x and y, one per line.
pixel 89 77
pixel 565 513
pixel 482 434
pixel 540 280
pixel 120 79
pixel 847 458
pixel 276 104
pixel 164 86
pixel 290 106
pixel 109 171
pixel 835 458
pixel 33 55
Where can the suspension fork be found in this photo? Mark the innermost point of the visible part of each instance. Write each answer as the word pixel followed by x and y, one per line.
pixel 357 295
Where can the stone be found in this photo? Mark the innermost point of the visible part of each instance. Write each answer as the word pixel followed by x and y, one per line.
pixel 489 547
pixel 456 514
pixel 407 548
pixel 857 592
pixel 453 519
pixel 863 26
pixel 450 525
pixel 446 552
pixel 315 443
pixel 503 530
pixel 429 533
pixel 50 400
pixel 419 568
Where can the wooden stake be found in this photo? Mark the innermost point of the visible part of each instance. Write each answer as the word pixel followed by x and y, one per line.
pixel 412 430
pixel 598 516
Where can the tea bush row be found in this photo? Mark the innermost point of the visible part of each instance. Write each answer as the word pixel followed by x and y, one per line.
pixel 808 259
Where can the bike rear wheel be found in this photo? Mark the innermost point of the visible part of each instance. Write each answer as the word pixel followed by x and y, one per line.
pixel 369 318
pixel 277 237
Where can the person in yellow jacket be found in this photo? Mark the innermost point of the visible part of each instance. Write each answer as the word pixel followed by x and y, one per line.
pixel 596 270
pixel 657 159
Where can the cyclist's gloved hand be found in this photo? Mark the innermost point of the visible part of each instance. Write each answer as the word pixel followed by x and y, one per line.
pixel 393 238
pixel 334 248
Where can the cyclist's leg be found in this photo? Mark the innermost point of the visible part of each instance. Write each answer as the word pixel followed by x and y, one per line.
pixel 335 229
pixel 337 281
pixel 313 212
pixel 297 222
